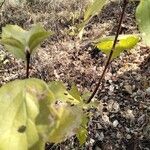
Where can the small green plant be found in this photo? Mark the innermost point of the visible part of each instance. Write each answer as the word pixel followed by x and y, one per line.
pixel 93 8
pixel 112 46
pixel 35 112
pixel 21 43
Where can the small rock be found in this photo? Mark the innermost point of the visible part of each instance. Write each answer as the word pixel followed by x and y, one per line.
pixel 129 114
pixel 56 74
pixel 141 119
pixel 115 123
pixel 148 108
pixel 128 88
pixel 99 126
pixel 139 92
pixel 128 136
pixel 6 61
pixel 116 107
pixel 119 136
pixel 113 106
pixel 101 136
pixel 111 88
pixel 148 91
pixel 106 119
pixel 2 57
pixel 127 129
pixel 92 141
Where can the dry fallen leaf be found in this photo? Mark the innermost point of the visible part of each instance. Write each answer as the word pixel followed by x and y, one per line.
pixel 128 88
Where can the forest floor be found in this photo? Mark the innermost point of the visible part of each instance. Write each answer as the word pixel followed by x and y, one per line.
pixel 122 119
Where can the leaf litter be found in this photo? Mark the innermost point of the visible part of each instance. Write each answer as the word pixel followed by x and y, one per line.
pixel 122 120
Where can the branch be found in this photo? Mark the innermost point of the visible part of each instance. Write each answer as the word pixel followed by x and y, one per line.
pixel 125 2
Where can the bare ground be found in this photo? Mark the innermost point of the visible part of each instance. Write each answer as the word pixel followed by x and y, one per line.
pixel 122 120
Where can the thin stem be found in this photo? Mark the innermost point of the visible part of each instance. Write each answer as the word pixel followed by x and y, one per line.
pixel 28 56
pixel 125 2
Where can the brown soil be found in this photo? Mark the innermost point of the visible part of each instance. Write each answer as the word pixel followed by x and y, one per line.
pixel 122 120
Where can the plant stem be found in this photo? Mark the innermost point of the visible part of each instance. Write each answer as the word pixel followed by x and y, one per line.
pixel 125 2
pixel 28 56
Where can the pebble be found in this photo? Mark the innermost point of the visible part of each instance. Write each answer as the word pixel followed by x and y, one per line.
pixel 148 108
pixel 6 61
pixel 141 119
pixel 128 88
pixel 127 129
pixel 129 114
pixel 128 136
pixel 119 136
pixel 106 118
pixel 99 126
pixel 101 136
pixel 115 123
pixel 116 107
pixel 111 88
pixel 113 106
pixel 2 57
pixel 92 141
pixel 148 91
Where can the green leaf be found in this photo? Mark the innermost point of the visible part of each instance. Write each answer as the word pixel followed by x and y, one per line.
pixel 14 46
pixel 82 131
pixel 69 118
pixel 16 40
pixel 30 115
pixel 125 42
pixel 94 8
pixel 61 93
pixel 93 104
pixel 143 20
pixel 73 96
pixel 75 93
pixel 24 114
pixel 36 35
pixel 86 96
pixel 67 124
pixel 15 32
pixel 13 38
pixel 40 145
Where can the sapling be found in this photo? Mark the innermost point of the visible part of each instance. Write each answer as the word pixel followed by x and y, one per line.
pixel 35 112
pixel 23 43
pixel 111 52
pixel 94 8
pixel 112 46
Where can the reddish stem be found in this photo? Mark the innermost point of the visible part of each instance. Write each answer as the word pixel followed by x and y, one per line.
pixel 125 2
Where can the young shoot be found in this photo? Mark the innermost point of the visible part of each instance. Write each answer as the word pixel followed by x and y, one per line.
pixel 21 43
